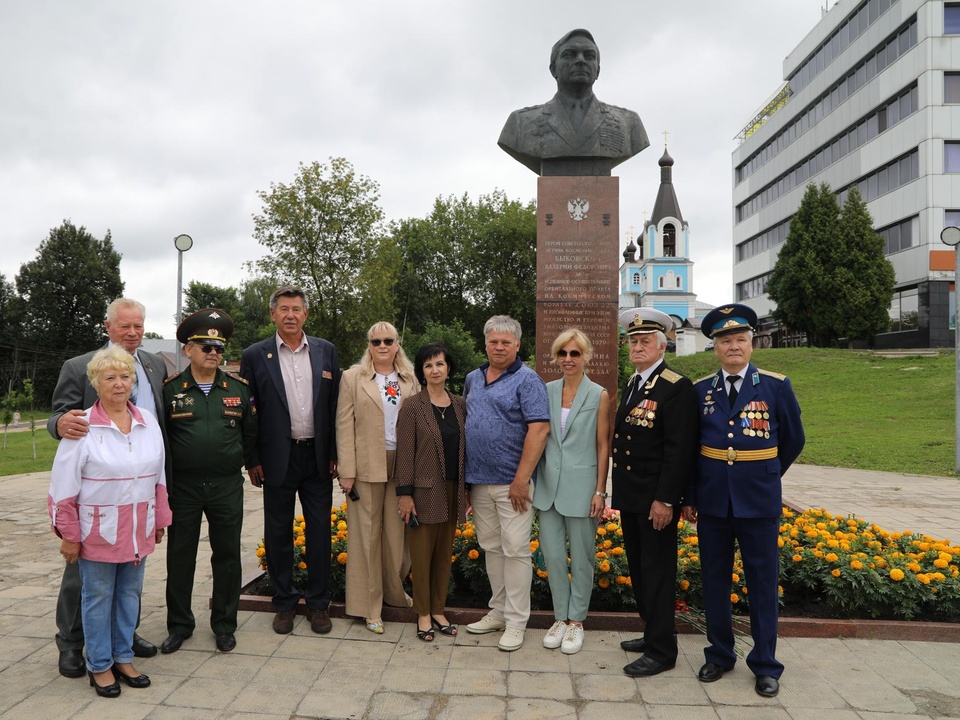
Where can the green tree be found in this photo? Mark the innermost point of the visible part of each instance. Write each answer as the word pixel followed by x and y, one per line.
pixel 68 288
pixel 800 281
pixel 467 261
pixel 863 279
pixel 200 295
pixel 253 312
pixel 458 340
pixel 11 326
pixel 325 233
pixel 65 291
pixel 502 263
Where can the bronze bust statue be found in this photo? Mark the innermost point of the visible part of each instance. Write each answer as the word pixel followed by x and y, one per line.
pixel 573 133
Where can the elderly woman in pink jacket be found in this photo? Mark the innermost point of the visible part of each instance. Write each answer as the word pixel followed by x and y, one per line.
pixel 108 503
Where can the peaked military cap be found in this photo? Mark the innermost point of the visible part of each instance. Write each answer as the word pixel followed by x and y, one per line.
pixel 637 321
pixel 727 319
pixel 209 326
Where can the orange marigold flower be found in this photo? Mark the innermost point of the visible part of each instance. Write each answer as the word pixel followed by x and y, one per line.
pixel 534 544
pixel 299 541
pixel 604 566
pixel 342 525
pixel 896 574
pixel 735 578
pixel 831 557
pixel 684 585
pixel 601 531
pixel 302 565
pixel 541 573
pixel 261 551
pixel 473 554
pixel 298 518
pixel 941 563
pixel 457 533
pixel 618 551
pixel 600 555
pixel 856 565
pixel 924 578
pixel 604 583
pixel 734 598
pixel 607 544
pixel 342 558
pixel 835 572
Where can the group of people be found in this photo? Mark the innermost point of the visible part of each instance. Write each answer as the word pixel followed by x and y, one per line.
pixel 142 453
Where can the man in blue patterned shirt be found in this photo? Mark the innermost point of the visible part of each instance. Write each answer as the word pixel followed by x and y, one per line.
pixel 508 420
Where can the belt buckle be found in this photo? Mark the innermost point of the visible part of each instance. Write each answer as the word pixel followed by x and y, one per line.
pixel 731 455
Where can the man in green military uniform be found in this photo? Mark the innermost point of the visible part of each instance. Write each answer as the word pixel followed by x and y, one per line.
pixel 212 430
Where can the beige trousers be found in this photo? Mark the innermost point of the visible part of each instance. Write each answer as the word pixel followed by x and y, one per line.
pixel 377 555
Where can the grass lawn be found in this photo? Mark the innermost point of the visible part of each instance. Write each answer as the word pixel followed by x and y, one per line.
pixel 17 456
pixel 863 411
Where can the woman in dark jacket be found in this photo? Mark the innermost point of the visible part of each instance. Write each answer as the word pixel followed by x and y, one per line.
pixel 430 488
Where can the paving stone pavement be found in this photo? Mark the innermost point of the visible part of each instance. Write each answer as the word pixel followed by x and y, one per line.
pixel 352 673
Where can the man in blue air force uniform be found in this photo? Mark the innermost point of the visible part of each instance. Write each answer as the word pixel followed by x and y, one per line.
pixel 750 433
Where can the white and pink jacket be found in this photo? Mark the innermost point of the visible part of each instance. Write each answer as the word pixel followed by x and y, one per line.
pixel 108 491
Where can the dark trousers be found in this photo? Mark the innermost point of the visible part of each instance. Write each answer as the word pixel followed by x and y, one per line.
pixel 431 546
pixel 279 504
pixel 69 616
pixel 222 503
pixel 652 559
pixel 761 565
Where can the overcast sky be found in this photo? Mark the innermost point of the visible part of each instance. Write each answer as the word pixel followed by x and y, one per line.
pixel 155 119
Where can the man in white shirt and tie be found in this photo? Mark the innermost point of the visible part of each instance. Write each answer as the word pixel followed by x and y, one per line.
pixel 72 395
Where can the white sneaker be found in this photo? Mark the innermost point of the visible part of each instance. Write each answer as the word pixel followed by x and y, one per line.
pixel 572 639
pixel 511 639
pixel 554 636
pixel 485 625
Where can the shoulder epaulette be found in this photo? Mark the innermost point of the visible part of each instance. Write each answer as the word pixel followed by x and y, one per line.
pixel 705 377
pixel 769 373
pixel 671 375
pixel 237 377
pixel 173 377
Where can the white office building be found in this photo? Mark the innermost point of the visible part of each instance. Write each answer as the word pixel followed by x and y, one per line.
pixel 871 99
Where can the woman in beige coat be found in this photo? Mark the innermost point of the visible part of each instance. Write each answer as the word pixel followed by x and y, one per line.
pixel 371 393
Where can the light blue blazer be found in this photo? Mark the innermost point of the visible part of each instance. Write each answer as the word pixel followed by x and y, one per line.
pixel 567 475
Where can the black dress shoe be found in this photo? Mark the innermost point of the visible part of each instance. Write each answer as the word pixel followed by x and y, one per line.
pixel 71 663
pixel 636 645
pixel 138 681
pixel 711 672
pixel 173 643
pixel 105 691
pixel 767 686
pixel 226 642
pixel 143 648
pixel 644 666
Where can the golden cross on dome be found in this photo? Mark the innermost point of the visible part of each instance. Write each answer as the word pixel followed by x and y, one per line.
pixel 665 133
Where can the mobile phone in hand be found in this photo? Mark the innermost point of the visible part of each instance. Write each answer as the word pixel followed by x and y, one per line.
pixel 353 494
pixel 413 521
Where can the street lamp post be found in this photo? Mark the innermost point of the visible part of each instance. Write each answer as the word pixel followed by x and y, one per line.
pixel 182 243
pixel 951 236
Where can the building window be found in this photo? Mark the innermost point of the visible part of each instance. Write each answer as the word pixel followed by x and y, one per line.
pixel 755 287
pixel 951 87
pixel 951 218
pixel 679 283
pixel 904 310
pixel 669 240
pixel 951 19
pixel 660 282
pixel 900 236
pixel 951 157
pixel 636 278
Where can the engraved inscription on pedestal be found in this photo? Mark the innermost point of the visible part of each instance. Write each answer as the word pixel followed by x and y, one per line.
pixel 577 243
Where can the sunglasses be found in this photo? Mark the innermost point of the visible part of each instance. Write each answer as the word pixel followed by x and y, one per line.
pixel 207 349
pixel 386 341
pixel 572 353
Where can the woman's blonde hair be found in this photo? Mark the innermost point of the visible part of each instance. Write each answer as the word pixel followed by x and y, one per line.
pixel 579 337
pixel 401 363
pixel 111 358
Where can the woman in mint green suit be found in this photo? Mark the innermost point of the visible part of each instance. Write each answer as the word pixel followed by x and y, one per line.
pixel 571 487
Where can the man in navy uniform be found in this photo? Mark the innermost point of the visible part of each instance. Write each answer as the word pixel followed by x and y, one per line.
pixel 212 431
pixel 750 433
pixel 654 445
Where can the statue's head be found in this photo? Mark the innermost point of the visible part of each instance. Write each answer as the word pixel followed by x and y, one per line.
pixel 575 59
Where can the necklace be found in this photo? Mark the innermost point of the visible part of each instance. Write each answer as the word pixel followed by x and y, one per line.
pixel 442 411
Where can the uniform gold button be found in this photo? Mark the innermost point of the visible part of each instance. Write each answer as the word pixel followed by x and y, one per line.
pixel 615 451
pixel 616 435
pixel 614 464
pixel 628 467
pixel 729 435
pixel 731 422
pixel 628 452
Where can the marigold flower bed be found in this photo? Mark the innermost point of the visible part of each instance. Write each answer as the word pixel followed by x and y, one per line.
pixel 831 566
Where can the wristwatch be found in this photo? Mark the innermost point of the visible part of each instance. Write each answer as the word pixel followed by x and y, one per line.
pixel 601 494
